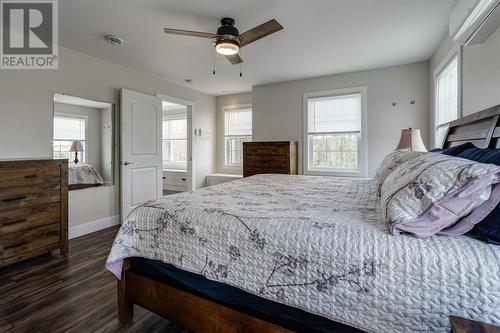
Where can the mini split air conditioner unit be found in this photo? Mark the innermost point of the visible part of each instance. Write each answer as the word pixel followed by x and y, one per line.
pixel 473 21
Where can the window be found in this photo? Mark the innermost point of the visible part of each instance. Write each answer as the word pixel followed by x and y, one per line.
pixel 175 142
pixel 447 96
pixel 66 130
pixel 237 129
pixel 334 133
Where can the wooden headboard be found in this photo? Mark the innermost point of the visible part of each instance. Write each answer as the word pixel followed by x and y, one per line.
pixel 481 128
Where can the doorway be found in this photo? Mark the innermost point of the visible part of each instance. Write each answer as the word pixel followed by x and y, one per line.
pixel 177 140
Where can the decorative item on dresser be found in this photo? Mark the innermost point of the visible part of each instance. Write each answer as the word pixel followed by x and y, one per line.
pixel 33 208
pixel 269 157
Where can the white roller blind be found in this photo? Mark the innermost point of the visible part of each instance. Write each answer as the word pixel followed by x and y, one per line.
pixel 447 93
pixel 69 128
pixel 174 129
pixel 238 122
pixel 334 114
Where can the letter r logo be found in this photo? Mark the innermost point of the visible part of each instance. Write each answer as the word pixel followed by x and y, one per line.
pixel 27 27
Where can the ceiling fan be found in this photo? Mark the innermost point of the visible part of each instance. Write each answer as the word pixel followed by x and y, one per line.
pixel 228 40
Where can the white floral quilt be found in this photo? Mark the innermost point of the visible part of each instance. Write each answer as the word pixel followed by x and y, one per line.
pixel 319 244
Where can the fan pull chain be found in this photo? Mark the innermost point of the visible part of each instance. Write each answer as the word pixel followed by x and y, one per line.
pixel 215 55
pixel 241 66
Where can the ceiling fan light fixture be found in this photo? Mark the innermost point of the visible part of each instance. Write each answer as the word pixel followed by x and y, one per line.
pixel 227 47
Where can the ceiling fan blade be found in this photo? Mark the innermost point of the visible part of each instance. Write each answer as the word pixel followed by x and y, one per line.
pixel 189 33
pixel 234 59
pixel 260 31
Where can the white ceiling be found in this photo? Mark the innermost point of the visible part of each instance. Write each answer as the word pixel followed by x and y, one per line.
pixel 321 37
pixel 168 106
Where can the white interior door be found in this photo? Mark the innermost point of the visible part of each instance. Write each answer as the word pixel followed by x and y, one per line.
pixel 141 153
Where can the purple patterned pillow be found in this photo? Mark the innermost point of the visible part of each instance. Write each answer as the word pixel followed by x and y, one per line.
pixel 429 194
pixel 390 163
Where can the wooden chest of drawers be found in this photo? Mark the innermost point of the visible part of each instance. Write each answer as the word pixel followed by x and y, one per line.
pixel 269 157
pixel 33 208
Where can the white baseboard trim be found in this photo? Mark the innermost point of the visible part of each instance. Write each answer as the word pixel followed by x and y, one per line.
pixel 93 226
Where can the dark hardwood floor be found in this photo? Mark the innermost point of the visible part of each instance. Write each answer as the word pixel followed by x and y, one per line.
pixel 69 294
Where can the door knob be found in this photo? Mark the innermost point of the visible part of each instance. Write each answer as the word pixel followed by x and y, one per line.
pixel 126 163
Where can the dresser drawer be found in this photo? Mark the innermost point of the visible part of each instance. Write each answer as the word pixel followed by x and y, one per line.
pixel 266 161
pixel 175 178
pixel 27 196
pixel 29 176
pixel 22 219
pixel 255 149
pixel 17 243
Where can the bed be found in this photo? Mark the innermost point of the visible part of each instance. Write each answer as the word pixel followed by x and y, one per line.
pixel 82 176
pixel 315 245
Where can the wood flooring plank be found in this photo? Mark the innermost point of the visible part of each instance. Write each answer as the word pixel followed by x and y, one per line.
pixel 51 294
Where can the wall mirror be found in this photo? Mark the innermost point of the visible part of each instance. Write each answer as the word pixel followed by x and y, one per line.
pixel 84 134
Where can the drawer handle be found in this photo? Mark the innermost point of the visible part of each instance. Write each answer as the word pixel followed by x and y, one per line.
pixel 21 197
pixel 13 246
pixel 30 176
pixel 184 179
pixel 164 177
pixel 14 222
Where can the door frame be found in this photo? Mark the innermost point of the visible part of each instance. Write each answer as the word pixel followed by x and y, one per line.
pixel 190 138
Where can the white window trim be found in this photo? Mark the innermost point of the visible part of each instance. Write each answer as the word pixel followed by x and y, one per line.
pixel 362 153
pixel 175 165
pixel 236 169
pixel 85 157
pixel 456 51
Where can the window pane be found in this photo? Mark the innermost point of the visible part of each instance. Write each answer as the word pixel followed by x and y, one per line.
pixel 166 150
pixel 447 93
pixel 238 122
pixel 334 151
pixel 334 132
pixel 334 114
pixel 234 149
pixel 61 150
pixel 69 128
pixel 174 150
pixel 440 133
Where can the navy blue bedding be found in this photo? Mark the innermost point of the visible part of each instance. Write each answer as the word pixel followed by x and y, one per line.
pixel 282 315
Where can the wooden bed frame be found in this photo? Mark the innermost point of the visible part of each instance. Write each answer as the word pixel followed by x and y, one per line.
pixel 200 315
pixel 481 128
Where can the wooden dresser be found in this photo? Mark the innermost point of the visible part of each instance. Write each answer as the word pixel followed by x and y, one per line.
pixel 33 208
pixel 269 157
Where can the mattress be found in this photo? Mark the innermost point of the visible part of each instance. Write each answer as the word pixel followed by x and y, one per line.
pixel 289 317
pixel 318 244
pixel 83 174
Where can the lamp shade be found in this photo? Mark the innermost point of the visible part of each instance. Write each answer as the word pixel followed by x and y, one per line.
pixel 76 146
pixel 411 140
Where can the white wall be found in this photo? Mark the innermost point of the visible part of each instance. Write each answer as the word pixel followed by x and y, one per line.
pixel 26 111
pixel 481 74
pixel 278 108
pixel 93 130
pixel 107 126
pixel 225 101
